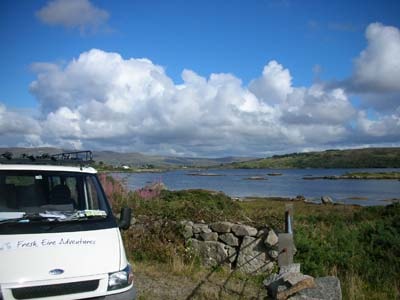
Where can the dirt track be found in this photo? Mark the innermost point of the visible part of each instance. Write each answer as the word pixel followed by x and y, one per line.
pixel 211 285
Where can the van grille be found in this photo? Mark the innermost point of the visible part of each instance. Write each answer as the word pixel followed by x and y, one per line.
pixel 55 289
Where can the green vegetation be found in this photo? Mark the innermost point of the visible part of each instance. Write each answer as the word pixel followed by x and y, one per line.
pixel 161 238
pixel 368 175
pixel 359 175
pixel 355 158
pixel 193 205
pixel 360 245
pixel 363 248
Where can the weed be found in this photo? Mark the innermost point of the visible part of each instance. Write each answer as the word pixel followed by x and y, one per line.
pixel 359 245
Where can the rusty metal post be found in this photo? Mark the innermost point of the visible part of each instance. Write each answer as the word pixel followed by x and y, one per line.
pixel 289 218
pixel 286 243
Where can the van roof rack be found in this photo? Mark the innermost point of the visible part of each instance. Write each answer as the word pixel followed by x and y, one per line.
pixel 80 158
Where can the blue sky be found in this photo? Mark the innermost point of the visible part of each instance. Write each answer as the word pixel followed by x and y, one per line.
pixel 317 44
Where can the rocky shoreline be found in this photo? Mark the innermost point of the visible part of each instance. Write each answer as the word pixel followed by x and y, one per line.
pixel 359 176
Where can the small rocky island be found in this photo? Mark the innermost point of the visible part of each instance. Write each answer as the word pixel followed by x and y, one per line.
pixel 359 176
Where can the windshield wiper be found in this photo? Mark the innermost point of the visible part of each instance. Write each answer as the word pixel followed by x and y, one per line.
pixel 89 215
pixel 76 215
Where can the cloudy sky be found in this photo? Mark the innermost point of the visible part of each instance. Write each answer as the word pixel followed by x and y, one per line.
pixel 200 78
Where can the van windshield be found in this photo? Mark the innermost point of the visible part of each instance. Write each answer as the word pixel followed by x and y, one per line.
pixel 50 196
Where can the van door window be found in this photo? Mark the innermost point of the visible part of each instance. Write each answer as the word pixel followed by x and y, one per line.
pixel 93 195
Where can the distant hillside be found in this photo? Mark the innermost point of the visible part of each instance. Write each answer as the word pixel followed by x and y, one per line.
pixel 135 159
pixel 355 158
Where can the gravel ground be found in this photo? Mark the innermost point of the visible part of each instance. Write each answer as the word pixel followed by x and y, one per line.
pixel 211 285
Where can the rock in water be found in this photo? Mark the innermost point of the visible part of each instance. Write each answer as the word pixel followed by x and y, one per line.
pixel 326 200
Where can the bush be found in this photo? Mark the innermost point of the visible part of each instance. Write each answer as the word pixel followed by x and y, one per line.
pixel 192 205
pixel 154 241
pixel 366 247
pixel 115 190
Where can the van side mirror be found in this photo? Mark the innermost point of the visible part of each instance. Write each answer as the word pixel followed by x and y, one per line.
pixel 125 218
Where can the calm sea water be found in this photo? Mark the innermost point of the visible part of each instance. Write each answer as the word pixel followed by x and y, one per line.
pixel 290 184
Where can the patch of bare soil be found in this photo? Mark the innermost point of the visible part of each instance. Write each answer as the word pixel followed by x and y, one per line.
pixel 152 283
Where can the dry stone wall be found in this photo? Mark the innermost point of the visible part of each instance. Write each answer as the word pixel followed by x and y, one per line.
pixel 240 246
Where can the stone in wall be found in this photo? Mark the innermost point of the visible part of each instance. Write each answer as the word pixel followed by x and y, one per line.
pixel 221 227
pixel 210 252
pixel 200 227
pixel 209 236
pixel 229 239
pixel 253 257
pixel 244 230
pixel 232 253
pixel 240 246
pixel 273 254
pixel 272 239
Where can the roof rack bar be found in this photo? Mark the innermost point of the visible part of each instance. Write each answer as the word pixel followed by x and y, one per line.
pixel 84 156
pixel 66 158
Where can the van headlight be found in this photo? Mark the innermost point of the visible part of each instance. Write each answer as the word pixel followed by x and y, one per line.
pixel 120 279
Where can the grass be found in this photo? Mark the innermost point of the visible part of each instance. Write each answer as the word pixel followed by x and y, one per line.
pixel 360 245
pixel 192 205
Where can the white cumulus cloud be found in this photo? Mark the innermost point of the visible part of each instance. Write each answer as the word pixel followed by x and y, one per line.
pixel 384 128
pixel 102 100
pixel 81 14
pixel 376 74
pixel 17 127
pixel 274 85
pixel 378 66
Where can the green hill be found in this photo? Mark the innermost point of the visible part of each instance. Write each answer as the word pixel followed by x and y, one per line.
pixel 134 159
pixel 354 158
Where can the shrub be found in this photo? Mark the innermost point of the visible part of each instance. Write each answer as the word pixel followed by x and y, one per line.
pixel 364 249
pixel 115 190
pixel 192 205
pixel 150 192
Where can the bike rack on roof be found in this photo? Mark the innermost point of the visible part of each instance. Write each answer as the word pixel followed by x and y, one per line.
pixel 80 158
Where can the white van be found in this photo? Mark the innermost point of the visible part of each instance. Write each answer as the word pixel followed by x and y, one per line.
pixel 58 236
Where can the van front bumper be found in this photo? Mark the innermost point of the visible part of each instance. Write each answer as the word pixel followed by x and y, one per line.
pixel 127 295
pixel 101 293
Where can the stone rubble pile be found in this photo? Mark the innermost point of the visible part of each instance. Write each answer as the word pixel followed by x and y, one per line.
pixel 240 246
pixel 291 284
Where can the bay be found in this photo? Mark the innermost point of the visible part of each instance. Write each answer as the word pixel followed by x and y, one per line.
pixel 236 183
